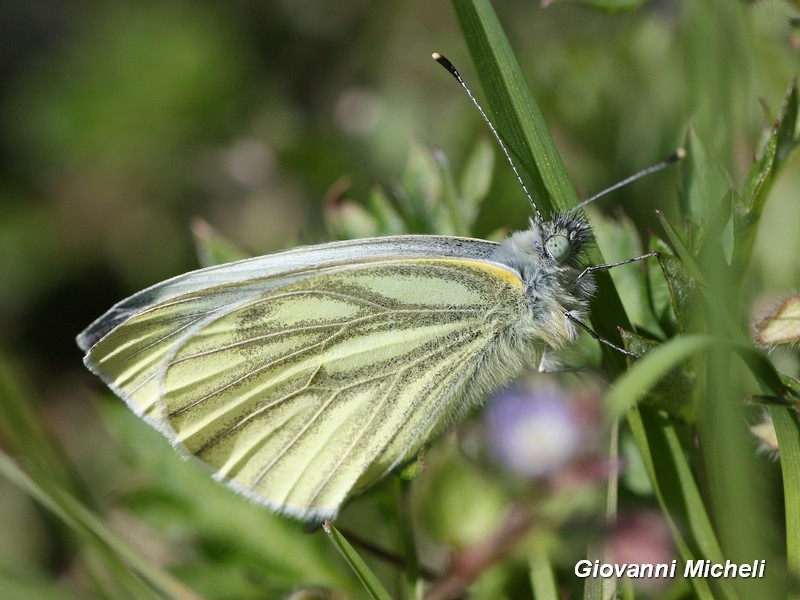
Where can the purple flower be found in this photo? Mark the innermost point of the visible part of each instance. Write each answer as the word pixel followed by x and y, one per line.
pixel 533 433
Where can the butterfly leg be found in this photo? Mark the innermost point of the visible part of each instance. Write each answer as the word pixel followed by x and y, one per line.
pixel 551 366
pixel 607 266
pixel 583 325
pixel 597 336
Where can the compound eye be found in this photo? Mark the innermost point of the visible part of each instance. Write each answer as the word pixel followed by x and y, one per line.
pixel 559 248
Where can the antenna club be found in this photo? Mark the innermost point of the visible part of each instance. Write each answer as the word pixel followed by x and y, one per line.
pixel 442 60
pixel 679 154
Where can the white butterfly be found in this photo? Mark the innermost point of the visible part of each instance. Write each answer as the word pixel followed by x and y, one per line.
pixel 304 376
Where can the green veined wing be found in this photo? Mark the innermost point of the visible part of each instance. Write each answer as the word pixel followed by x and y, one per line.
pixel 297 386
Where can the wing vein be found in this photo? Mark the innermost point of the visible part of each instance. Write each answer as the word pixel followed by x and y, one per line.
pixel 306 350
pixel 395 379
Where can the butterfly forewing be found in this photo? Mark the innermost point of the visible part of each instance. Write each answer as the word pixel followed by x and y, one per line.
pixel 128 358
pixel 296 390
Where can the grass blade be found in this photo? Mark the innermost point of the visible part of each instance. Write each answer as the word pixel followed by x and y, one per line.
pixel 543 578
pixel 365 575
pixel 517 116
pixel 787 427
pixel 77 517
pixel 677 494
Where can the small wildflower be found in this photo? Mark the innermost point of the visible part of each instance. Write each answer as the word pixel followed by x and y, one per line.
pixel 533 433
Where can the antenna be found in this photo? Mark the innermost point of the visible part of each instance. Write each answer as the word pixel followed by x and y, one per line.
pixel 679 154
pixel 454 72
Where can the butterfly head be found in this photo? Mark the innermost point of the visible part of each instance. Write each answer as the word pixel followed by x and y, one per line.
pixel 565 236
pixel 548 244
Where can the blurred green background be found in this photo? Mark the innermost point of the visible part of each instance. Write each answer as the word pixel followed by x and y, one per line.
pixel 124 122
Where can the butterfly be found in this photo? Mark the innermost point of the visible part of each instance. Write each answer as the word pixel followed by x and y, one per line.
pixel 303 377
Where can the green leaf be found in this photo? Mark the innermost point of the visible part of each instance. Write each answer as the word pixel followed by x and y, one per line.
pixel 759 365
pixel 720 230
pixel 705 183
pixel 646 372
pixel 674 392
pixel 650 369
pixel 212 247
pixel 421 182
pixel 787 428
pixel 618 240
pixel 659 293
pixel 683 292
pixel 792 386
pixel 676 239
pixel 476 178
pixel 783 140
pixel 543 578
pixel 365 575
pixel 453 217
pixel 634 475
pixel 348 220
pixel 605 6
pixel 389 219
